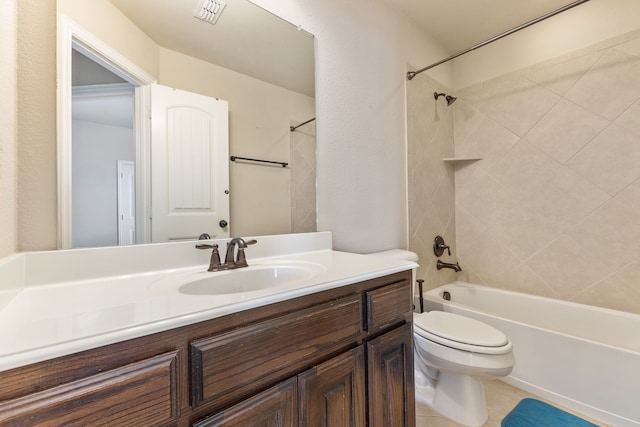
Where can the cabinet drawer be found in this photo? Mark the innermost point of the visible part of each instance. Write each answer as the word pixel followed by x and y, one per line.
pixel 227 367
pixel 142 393
pixel 387 305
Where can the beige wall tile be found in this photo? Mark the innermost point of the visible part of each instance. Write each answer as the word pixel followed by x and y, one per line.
pixel 564 130
pixel 568 227
pixel 629 119
pixel 621 295
pixel 514 102
pixel 566 199
pixel 610 86
pixel 560 77
pixel 484 197
pixel 524 232
pixel 611 160
pixel 612 233
pixel 568 267
pixel 523 169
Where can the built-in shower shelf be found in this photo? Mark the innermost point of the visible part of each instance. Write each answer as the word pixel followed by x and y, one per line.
pixel 461 159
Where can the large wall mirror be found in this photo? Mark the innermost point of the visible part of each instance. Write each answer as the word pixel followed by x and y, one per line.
pixel 261 66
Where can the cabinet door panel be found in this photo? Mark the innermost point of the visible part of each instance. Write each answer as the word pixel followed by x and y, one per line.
pixel 391 383
pixel 142 393
pixel 333 394
pixel 275 407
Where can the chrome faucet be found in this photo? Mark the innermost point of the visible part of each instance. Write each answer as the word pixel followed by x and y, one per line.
pixel 455 267
pixel 229 262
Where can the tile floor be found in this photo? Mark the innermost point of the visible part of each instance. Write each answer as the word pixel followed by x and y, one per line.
pixel 501 399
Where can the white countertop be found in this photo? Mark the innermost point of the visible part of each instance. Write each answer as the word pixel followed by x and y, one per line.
pixel 43 321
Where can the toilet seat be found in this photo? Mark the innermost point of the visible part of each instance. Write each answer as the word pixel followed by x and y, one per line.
pixel 462 333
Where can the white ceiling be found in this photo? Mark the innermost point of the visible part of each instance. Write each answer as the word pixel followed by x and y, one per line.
pixel 109 110
pixel 461 24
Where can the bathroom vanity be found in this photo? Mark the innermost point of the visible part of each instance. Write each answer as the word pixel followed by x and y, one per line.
pixel 321 350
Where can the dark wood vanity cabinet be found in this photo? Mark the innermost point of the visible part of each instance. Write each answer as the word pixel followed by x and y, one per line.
pixel 340 357
pixel 370 378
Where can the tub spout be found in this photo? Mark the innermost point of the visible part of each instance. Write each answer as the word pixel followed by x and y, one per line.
pixel 455 267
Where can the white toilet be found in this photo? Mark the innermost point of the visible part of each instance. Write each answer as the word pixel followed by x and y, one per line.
pixel 452 355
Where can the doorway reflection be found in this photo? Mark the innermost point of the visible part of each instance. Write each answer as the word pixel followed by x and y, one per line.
pixel 102 138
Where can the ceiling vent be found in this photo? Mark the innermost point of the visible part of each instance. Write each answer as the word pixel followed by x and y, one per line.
pixel 209 10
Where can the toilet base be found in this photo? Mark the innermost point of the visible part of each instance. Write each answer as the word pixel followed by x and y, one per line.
pixel 457 397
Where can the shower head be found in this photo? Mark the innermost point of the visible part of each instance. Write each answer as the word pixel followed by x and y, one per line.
pixel 450 99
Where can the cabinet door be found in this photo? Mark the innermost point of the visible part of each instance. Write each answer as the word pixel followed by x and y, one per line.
pixel 275 407
pixel 391 384
pixel 333 394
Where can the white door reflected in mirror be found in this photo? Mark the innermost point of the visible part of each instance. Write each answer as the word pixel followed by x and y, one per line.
pixel 126 203
pixel 189 165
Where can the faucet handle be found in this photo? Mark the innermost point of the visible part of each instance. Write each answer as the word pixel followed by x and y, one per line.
pixel 439 246
pixel 214 263
pixel 241 260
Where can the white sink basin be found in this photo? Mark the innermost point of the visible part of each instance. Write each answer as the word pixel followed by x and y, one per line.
pixel 258 277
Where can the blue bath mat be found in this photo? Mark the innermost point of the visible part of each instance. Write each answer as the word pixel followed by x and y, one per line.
pixel 534 413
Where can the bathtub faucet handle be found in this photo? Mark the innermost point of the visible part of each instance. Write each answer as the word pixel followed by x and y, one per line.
pixel 439 246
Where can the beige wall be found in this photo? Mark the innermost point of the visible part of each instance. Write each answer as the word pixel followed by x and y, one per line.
pixel 8 133
pixel 259 115
pixel 36 120
pixel 553 206
pixel 108 24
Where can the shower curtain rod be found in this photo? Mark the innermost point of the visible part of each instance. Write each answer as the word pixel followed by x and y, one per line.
pixel 412 74
pixel 292 128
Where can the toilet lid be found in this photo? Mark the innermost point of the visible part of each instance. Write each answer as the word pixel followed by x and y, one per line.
pixel 454 328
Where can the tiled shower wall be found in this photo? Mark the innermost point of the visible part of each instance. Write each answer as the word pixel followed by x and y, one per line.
pixel 430 181
pixel 553 207
pixel 302 150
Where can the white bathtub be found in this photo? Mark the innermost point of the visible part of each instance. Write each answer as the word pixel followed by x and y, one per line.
pixel 583 357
